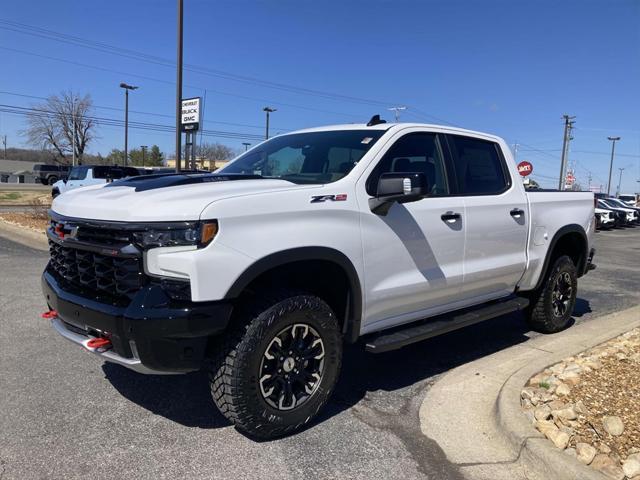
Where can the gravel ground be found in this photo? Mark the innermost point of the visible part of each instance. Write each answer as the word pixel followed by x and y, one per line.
pixel 612 390
pixel 33 220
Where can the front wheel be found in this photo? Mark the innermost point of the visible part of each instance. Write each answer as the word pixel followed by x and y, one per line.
pixel 552 305
pixel 278 366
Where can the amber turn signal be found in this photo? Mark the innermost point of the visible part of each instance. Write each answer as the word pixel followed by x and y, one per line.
pixel 208 232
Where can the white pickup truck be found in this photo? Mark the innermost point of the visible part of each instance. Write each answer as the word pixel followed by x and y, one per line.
pixel 262 271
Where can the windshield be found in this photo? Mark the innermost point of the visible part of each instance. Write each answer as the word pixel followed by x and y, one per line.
pixel 618 202
pixel 78 173
pixel 314 157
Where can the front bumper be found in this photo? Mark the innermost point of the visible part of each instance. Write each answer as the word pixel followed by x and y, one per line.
pixel 152 334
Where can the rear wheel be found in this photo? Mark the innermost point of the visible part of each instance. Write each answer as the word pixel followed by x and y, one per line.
pixel 52 179
pixel 274 372
pixel 552 305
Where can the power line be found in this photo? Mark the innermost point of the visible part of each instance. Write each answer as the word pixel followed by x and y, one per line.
pixel 141 56
pixel 43 113
pixel 155 114
pixel 136 55
pixel 168 82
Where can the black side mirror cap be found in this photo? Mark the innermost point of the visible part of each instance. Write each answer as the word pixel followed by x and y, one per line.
pixel 398 187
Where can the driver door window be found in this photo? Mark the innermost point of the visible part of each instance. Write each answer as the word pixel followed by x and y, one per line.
pixel 415 152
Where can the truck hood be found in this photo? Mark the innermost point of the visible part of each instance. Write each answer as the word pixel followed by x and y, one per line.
pixel 161 198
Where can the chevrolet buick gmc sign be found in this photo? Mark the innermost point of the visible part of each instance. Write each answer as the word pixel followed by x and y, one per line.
pixel 190 115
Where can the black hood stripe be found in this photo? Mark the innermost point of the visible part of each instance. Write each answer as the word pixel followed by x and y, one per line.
pixel 153 182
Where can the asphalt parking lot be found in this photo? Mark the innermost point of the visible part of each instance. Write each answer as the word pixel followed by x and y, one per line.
pixel 65 414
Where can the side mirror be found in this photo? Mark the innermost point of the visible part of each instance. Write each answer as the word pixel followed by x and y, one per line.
pixel 398 187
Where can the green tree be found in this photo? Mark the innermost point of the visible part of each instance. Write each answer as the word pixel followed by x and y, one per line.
pixel 152 158
pixel 115 157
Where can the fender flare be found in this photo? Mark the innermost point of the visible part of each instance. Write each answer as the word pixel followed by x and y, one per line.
pixel 571 228
pixel 351 328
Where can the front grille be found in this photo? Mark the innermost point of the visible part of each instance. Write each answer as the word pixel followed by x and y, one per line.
pixel 102 274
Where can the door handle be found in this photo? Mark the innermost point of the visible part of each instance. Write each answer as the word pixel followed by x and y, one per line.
pixel 450 217
pixel 516 212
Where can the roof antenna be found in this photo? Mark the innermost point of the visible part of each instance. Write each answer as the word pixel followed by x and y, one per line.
pixel 375 120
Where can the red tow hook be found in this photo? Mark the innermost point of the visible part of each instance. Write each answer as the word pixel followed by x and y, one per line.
pixel 99 343
pixel 50 314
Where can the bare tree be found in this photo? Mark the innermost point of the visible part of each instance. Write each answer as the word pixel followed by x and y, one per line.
pixel 216 151
pixel 51 125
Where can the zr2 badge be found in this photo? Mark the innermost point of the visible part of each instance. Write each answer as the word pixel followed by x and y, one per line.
pixel 341 197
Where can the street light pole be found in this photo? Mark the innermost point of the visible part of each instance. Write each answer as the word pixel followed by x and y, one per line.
pixel 397 111
pixel 179 88
pixel 246 145
pixel 619 182
pixel 126 119
pixel 144 151
pixel 268 110
pixel 613 149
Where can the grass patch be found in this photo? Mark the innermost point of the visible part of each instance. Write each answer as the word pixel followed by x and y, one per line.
pixel 10 196
pixel 544 385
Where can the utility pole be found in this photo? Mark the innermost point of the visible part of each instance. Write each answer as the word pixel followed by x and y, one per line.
pixel 568 125
pixel 144 151
pixel 397 111
pixel 619 182
pixel 590 181
pixel 246 145
pixel 613 150
pixel 73 133
pixel 4 142
pixel 515 151
pixel 268 110
pixel 179 88
pixel 126 119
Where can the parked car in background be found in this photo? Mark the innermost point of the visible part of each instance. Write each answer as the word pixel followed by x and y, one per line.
pixel 629 199
pixel 85 175
pixel 604 218
pixel 624 216
pixel 50 174
pixel 619 203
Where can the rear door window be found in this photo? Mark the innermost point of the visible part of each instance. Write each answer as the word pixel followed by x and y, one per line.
pixel 479 166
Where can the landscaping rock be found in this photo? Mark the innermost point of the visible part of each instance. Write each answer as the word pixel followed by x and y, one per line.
pixel 571 377
pixel 542 413
pixel 545 426
pixel 613 425
pixel 585 453
pixel 567 413
pixel 604 448
pixel 607 466
pixel 580 408
pixel 562 389
pixel 631 467
pixel 560 439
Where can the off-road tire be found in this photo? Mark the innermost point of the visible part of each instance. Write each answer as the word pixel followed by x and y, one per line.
pixel 52 179
pixel 234 369
pixel 540 314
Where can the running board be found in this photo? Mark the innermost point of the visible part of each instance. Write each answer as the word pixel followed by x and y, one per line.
pixel 401 336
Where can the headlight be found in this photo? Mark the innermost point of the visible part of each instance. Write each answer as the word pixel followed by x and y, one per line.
pixel 199 234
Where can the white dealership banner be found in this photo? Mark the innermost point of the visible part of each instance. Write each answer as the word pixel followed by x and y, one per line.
pixel 190 114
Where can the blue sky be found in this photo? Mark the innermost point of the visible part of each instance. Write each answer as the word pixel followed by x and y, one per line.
pixel 507 67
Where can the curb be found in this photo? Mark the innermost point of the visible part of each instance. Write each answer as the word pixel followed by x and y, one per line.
pixel 24 236
pixel 473 412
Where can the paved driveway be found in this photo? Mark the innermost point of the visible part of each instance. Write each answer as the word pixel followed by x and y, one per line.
pixel 65 414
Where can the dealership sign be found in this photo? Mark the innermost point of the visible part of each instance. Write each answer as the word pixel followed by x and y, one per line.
pixel 525 168
pixel 190 115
